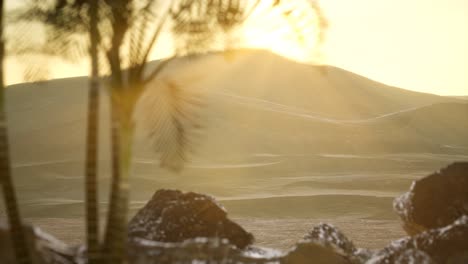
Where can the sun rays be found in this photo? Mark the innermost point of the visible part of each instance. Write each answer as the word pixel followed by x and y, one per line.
pixel 293 29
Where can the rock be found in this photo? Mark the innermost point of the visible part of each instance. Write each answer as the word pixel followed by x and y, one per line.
pixel 447 244
pixel 414 256
pixel 332 237
pixel 442 245
pixel 328 234
pixel 405 256
pixel 362 255
pixel 213 250
pixel 436 200
pixel 199 250
pixel 45 248
pixel 315 252
pixel 147 252
pixel 173 216
pixel 257 252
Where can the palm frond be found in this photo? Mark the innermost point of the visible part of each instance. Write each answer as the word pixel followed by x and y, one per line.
pixel 143 48
pixel 64 38
pixel 36 72
pixel 170 116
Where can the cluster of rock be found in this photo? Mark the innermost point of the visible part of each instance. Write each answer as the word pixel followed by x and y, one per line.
pixel 176 227
pixel 173 216
pixel 441 245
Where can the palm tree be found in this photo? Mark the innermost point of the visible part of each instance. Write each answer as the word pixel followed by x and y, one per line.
pixel 92 210
pixel 192 18
pixel 66 20
pixel 14 219
pixel 125 25
pixel 125 88
pixel 128 29
pixel 61 33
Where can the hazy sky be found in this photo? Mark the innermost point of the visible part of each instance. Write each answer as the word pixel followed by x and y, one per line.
pixel 414 44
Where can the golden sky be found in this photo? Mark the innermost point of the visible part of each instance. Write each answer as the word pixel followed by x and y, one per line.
pixel 413 44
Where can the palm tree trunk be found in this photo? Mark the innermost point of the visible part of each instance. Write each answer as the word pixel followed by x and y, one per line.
pixel 92 210
pixel 114 197
pixel 126 139
pixel 115 242
pixel 14 219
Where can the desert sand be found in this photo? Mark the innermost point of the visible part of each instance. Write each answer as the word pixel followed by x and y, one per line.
pixel 282 145
pixel 273 233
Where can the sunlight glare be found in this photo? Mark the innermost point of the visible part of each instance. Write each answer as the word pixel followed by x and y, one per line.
pixel 293 29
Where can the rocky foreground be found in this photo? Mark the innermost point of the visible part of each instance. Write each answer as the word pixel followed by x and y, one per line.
pixel 176 227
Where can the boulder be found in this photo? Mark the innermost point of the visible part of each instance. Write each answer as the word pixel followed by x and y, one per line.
pixel 45 249
pixel 401 256
pixel 173 216
pixel 413 256
pixel 330 235
pixel 442 245
pixel 315 252
pixel 436 200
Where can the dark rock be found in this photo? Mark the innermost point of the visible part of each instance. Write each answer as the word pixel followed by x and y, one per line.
pixel 45 249
pixel 315 252
pixel 199 250
pixel 145 251
pixel 442 245
pixel 328 234
pixel 436 200
pixel 262 253
pixel 213 250
pixel 404 256
pixel 332 237
pixel 362 255
pixel 446 244
pixel 173 216
pixel 414 256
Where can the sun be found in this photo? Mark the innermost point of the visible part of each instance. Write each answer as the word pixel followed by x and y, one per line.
pixel 293 29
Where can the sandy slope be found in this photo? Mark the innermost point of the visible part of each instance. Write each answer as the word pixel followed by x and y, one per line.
pixel 283 146
pixel 255 101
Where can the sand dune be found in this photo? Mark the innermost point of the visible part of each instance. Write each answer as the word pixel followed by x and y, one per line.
pixel 281 141
pixel 264 97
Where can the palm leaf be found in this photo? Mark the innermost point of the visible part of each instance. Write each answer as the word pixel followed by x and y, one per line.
pixel 170 115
